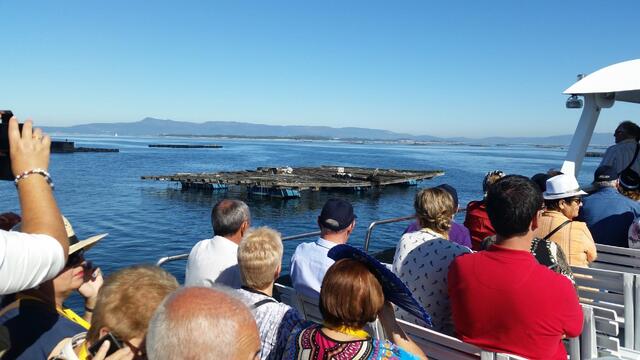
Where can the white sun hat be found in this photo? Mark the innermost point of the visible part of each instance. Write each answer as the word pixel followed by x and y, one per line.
pixel 562 186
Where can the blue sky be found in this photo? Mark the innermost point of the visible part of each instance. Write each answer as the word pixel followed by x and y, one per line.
pixel 454 68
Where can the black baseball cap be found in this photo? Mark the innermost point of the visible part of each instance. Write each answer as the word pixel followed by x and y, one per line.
pixel 336 214
pixel 605 173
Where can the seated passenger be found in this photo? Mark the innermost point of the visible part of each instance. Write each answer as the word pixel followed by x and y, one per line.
pixel 260 261
pixel 457 233
pixel 214 261
pixel 124 308
pixel 476 219
pixel 563 199
pixel 629 184
pixel 350 297
pixel 422 258
pixel 608 213
pixel 310 262
pixel 197 323
pixel 503 300
pixel 38 320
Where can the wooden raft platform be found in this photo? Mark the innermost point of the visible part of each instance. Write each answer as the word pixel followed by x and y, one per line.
pixel 288 182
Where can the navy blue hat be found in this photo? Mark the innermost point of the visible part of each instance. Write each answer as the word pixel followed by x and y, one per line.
pixel 629 180
pixel 336 214
pixel 605 173
pixel 395 291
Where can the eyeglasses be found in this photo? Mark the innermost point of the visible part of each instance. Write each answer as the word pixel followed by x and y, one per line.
pixel 75 259
pixel 575 200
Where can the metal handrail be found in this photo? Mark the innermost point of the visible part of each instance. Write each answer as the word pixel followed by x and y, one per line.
pixel 367 238
pixel 166 259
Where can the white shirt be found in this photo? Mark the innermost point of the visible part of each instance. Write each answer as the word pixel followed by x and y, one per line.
pixel 275 322
pixel 620 155
pixel 213 261
pixel 309 263
pixel 27 260
pixel 422 262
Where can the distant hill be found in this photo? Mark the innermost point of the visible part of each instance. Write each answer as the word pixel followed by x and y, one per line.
pixel 154 127
pixel 151 126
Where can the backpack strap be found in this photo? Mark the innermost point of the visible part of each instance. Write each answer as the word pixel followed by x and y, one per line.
pixel 262 302
pixel 549 235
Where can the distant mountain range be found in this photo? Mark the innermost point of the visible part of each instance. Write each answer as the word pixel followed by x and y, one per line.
pixel 155 127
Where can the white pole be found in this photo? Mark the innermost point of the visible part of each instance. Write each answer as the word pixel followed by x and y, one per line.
pixel 582 136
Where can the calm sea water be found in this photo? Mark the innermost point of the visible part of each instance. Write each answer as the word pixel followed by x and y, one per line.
pixel 103 192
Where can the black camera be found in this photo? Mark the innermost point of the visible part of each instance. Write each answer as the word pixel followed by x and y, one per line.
pixel 5 160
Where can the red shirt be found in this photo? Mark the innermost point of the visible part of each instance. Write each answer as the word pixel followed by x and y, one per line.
pixel 478 223
pixel 503 300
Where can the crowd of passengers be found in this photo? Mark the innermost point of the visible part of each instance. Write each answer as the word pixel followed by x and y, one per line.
pixel 501 281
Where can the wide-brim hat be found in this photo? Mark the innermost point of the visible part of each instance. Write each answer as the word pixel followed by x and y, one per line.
pixel 395 291
pixel 75 244
pixel 562 186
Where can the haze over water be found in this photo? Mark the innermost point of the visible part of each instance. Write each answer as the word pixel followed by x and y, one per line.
pixel 103 192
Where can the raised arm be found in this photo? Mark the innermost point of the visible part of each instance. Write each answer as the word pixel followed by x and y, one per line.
pixel 395 333
pixel 40 214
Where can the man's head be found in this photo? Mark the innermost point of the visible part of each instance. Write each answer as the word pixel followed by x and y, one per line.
pixel 230 218
pixel 126 303
pixel 605 176
pixel 260 258
pixel 513 203
pixel 627 130
pixel 336 219
pixel 197 323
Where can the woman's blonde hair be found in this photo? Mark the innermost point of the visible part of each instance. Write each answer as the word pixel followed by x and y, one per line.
pixel 259 256
pixel 128 299
pixel 434 210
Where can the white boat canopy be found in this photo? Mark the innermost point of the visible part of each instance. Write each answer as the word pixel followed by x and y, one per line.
pixel 601 89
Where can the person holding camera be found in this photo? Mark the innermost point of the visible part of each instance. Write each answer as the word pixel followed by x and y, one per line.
pixel 39 252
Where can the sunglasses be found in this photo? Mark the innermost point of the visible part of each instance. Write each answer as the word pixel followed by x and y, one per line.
pixel 75 259
pixel 575 200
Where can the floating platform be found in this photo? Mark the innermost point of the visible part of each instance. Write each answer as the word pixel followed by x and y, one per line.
pixel 185 146
pixel 289 182
pixel 67 147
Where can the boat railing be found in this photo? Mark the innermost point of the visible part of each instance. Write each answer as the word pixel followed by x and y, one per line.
pixel 367 238
pixel 166 259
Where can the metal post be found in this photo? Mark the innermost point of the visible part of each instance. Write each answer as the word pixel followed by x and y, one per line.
pixel 582 136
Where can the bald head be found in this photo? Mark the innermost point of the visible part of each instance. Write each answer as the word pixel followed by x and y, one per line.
pixel 195 323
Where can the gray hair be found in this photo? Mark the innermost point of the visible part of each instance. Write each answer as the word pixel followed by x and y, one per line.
pixel 606 184
pixel 209 324
pixel 228 215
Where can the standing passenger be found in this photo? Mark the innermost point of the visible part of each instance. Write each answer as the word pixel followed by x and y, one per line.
pixel 502 299
pixel 215 261
pixel 624 154
pixel 309 262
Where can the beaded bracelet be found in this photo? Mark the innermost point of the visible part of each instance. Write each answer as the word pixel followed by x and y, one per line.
pixel 38 171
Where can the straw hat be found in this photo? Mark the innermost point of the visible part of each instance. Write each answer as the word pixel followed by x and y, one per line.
pixel 74 243
pixel 562 186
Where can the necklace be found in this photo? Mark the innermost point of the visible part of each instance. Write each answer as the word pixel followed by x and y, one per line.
pixel 359 333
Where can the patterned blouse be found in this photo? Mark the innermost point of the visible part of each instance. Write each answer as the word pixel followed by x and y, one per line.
pixel 422 262
pixel 312 344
